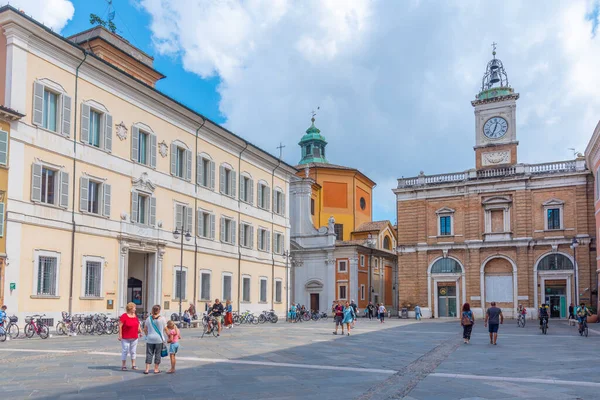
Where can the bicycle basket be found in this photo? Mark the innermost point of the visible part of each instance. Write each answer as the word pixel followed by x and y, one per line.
pixel 14 319
pixel 28 320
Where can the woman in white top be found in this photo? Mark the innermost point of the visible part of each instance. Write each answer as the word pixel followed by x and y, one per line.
pixel 154 329
pixel 381 311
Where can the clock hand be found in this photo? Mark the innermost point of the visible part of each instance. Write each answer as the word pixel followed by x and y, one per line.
pixel 495 127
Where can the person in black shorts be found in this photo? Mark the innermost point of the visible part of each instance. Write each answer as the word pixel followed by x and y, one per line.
pixel 217 312
pixel 494 318
pixel 338 317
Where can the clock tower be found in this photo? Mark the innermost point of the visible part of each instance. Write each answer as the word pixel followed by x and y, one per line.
pixel 495 118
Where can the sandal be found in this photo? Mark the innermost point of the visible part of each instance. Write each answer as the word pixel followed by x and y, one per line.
pixel 123 368
pixel 156 372
pixel 145 372
pixel 134 368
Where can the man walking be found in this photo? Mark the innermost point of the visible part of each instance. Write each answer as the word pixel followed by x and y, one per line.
pixel 494 318
pixel 338 317
pixel 418 312
pixel 355 309
pixel 371 308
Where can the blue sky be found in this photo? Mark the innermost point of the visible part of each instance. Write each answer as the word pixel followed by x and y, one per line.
pixel 393 79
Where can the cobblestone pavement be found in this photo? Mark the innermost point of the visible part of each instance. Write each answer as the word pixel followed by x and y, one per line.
pixel 399 359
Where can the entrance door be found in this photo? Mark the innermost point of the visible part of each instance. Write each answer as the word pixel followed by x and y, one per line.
pixel 447 300
pixel 556 299
pixel 314 301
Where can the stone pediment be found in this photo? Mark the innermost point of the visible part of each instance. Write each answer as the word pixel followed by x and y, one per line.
pixel 445 210
pixel 314 284
pixel 497 200
pixel 143 183
pixel 553 202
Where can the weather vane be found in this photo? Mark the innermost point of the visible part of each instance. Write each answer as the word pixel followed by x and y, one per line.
pixel 314 113
pixel 494 44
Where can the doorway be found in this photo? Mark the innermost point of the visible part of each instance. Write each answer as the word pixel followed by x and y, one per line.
pixel 556 299
pixel 446 300
pixel 137 281
pixel 314 302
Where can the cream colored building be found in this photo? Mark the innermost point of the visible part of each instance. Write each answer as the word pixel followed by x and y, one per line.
pixel 104 168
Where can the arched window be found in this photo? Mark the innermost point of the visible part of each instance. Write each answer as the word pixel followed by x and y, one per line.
pixel 387 243
pixel 446 266
pixel 555 262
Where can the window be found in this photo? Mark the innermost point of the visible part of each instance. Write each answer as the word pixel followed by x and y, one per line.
pixel 308 150
pixel 278 202
pixel 143 145
pixel 338 229
pixel 227 230
pixel 50 110
pixel 264 196
pixel 387 243
pixel 205 286
pixel 3 148
pixel 181 161
pixel 278 290
pixel 553 218
pixel 183 218
pixel 264 240
pixel 47 276
pixel 446 225
pixel 180 283
pixel 246 235
pixel 206 225
pixel 51 107
pixel 555 262
pixel 362 260
pixel 362 292
pixel 143 208
pixel 247 189
pixel 205 172
pixel 246 288
pixel 278 243
pixel 95 119
pixel 342 266
pixel 96 126
pixel 1 220
pixel 226 287
pixel 94 196
pixel 93 279
pixel 446 266
pixel 312 206
pixel 342 292
pixel 263 290
pixel 49 186
pixel 363 203
pixel 227 180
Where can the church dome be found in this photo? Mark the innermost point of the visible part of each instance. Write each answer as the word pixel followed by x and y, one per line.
pixel 313 145
pixel 495 81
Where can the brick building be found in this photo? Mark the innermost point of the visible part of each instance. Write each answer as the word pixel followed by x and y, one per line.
pixel 503 231
pixel 592 158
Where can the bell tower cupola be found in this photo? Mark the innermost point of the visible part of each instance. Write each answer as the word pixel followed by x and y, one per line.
pixel 313 145
pixel 495 118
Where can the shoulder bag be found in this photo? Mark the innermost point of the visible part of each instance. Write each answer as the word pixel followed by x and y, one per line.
pixel 466 319
pixel 164 352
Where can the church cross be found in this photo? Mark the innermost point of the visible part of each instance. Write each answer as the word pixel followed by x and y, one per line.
pixel 280 147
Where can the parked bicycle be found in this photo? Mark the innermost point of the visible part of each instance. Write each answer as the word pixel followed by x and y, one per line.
pixel 34 325
pixel 9 328
pixel 316 315
pixel 268 316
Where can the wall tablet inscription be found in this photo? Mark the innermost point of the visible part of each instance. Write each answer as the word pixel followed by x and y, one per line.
pixel 495 157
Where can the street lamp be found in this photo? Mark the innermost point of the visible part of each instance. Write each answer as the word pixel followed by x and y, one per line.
pixel 574 244
pixel 187 237
pixel 287 256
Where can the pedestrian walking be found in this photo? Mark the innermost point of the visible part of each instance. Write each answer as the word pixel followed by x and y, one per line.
pixel 173 335
pixel 129 332
pixel 355 309
pixel 338 317
pixel 494 318
pixel 217 312
pixel 572 311
pixel 155 340
pixel 228 314
pixel 418 312
pixel 467 320
pixel 381 313
pixel 349 317
pixel 293 313
pixel 371 309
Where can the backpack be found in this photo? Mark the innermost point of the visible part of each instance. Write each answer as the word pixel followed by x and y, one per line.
pixel 466 319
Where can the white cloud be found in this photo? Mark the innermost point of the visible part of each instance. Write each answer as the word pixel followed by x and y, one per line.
pixel 53 13
pixel 394 79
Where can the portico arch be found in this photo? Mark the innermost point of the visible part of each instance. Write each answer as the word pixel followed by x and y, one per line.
pixel 553 266
pixel 499 281
pixel 445 269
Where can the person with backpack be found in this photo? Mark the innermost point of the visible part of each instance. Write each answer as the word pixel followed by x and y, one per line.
pixel 467 320
pixel 582 313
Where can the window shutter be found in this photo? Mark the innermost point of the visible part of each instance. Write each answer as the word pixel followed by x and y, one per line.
pixel 135 142
pixel 251 241
pixel 222 179
pixel 200 224
pixel 3 148
pixel 152 219
pixel 242 235
pixel 212 175
pixel 242 189
pixel 251 191
pixel 212 226
pixel 1 219
pixel 282 208
pixel 222 232
pixel 189 217
pixel 107 194
pixel 233 232
pixel 36 182
pixel 85 123
pixel 233 176
pixel 267 198
pixel 83 193
pixel 66 115
pixel 134 206
pixel 38 103
pixel 153 151
pixel 178 217
pixel 199 169
pixel 64 190
pixel 108 132
pixel 188 162
pixel 173 159
pixel 260 239
pixel 260 195
pixel 268 242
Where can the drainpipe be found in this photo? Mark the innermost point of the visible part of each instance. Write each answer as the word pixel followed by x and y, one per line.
pixel 273 227
pixel 239 220
pixel 195 212
pixel 75 106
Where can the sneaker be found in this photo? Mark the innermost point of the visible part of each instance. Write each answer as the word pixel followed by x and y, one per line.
pixel 348 333
pixel 335 333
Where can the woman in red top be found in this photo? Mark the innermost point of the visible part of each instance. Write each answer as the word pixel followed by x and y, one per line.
pixel 129 331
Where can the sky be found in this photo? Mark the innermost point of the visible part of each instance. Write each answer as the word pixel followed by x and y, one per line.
pixel 393 80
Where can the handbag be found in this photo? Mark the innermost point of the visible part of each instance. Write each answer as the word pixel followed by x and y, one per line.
pixel 164 352
pixel 466 319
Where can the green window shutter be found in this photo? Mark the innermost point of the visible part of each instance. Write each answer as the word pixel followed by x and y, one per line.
pixel 199 169
pixel 135 142
pixel 268 240
pixel 178 217
pixel 173 159
pixel 260 195
pixel 233 176
pixel 212 226
pixel 1 219
pixel 153 146
pixel 200 224
pixel 242 189
pixel 108 132
pixel 251 241
pixel 152 219
pixel 188 165
pixel 251 191
pixel 107 195
pixel 3 148
pixel 242 235
pixel 134 206
pixel 212 175
pixel 222 179
pixel 38 103
pixel 85 123
pixel 233 224
pixel 189 216
pixel 66 115
pixel 83 194
pixel 64 190
pixel 267 198
pixel 222 232
pixel 36 182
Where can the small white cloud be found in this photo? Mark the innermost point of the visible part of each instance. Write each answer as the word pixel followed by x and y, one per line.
pixel 53 13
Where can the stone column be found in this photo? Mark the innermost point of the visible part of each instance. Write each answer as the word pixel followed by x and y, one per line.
pixel 122 278
pixel 16 67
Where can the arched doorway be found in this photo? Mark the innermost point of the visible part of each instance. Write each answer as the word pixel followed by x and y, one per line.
pixel 446 284
pixel 499 283
pixel 554 272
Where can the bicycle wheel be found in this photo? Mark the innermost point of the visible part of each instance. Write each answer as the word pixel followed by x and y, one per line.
pixel 306 317
pixel 236 320
pixel 315 317
pixel 544 328
pixel 585 331
pixel 44 332
pixel 100 328
pixel 2 334
pixel 29 331
pixel 215 330
pixel 274 319
pixel 324 317
pixel 116 328
pixel 61 328
pixel 254 320
pixel 13 331
pixel 523 322
pixel 262 319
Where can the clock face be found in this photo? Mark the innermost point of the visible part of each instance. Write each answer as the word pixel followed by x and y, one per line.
pixel 495 128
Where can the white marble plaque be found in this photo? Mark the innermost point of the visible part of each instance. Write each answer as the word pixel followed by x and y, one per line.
pixel 495 158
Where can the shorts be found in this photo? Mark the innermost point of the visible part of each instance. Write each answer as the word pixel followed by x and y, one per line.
pixel 339 320
pixel 219 318
pixel 173 347
pixel 580 319
pixel 493 328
